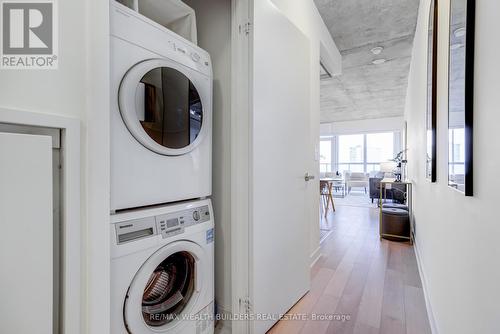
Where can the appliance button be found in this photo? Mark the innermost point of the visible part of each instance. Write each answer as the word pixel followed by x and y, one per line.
pixel 196 57
pixel 196 215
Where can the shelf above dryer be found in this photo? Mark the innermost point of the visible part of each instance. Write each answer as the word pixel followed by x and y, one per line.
pixel 175 15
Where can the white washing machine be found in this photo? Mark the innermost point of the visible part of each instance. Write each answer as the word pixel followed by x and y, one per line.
pixel 162 270
pixel 161 114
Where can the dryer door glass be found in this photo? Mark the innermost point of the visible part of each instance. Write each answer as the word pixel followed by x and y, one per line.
pixel 169 289
pixel 169 107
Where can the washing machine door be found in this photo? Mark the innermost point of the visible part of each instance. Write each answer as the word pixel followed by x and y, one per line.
pixel 164 106
pixel 165 290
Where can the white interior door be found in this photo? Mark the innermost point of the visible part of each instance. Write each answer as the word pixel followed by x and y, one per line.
pixel 26 238
pixel 279 261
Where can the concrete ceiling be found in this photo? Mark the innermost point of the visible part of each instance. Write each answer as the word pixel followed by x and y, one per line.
pixel 365 90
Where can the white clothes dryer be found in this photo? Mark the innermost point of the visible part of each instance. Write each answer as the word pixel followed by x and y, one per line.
pixel 162 270
pixel 161 114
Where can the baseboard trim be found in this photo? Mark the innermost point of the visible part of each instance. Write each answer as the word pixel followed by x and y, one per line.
pixel 315 256
pixel 430 313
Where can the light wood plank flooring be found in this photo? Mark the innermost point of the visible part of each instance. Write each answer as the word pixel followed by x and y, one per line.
pixel 373 282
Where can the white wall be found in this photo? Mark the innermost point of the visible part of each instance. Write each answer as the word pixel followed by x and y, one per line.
pixel 78 89
pixel 97 171
pixel 362 126
pixel 307 18
pixel 59 91
pixel 457 236
pixel 214 35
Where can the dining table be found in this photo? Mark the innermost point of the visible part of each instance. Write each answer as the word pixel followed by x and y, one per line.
pixel 336 183
pixel 331 184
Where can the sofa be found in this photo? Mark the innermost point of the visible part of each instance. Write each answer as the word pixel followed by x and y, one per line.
pixel 397 193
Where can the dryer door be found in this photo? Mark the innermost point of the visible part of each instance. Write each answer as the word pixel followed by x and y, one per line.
pixel 165 289
pixel 162 105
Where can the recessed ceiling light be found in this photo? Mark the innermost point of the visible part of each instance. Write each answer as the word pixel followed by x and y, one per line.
pixel 456 46
pixel 459 32
pixel 379 61
pixel 377 50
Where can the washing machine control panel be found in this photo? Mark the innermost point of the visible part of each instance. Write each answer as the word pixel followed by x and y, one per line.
pixel 174 223
pixel 167 225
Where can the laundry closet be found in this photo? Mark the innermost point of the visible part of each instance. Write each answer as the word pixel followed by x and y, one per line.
pixel 214 21
pixel 169 114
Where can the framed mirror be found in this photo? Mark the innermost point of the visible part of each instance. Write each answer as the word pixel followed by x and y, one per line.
pixel 431 113
pixel 461 96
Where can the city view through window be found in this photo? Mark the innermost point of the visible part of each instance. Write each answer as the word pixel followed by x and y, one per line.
pixel 358 152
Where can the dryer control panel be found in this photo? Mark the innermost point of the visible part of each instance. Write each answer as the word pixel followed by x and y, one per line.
pixel 167 225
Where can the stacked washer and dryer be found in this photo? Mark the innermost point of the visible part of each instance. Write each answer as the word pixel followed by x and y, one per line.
pixel 162 231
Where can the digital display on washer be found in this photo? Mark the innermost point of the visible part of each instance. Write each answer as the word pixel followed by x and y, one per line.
pixel 172 222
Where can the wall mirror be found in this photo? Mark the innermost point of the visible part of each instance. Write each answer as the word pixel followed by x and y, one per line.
pixel 461 95
pixel 431 113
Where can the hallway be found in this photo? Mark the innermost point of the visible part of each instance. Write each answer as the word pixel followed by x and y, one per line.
pixel 374 285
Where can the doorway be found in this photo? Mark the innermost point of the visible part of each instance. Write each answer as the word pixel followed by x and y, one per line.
pixel 271 154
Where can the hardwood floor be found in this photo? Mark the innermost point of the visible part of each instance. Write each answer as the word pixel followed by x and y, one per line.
pixel 374 284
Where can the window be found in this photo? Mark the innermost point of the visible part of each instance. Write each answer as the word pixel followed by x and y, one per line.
pixel 457 155
pixel 379 147
pixel 325 156
pixel 351 148
pixel 351 153
pixel 364 152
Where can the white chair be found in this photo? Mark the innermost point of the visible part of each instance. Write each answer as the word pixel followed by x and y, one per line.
pixel 357 180
pixel 329 174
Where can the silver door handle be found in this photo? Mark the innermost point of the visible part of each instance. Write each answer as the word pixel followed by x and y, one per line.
pixel 308 177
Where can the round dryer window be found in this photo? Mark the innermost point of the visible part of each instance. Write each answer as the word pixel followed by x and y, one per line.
pixel 162 107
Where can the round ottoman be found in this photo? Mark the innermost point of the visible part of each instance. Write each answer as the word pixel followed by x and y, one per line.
pixel 395 222
pixel 395 206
